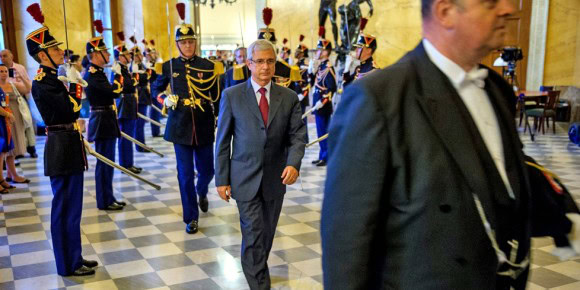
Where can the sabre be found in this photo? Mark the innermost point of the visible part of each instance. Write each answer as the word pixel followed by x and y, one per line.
pixel 317 140
pixel 150 120
pixel 117 166
pixel 307 113
pixel 124 135
pixel 158 110
pixel 170 51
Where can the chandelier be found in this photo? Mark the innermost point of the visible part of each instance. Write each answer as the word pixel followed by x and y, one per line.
pixel 212 3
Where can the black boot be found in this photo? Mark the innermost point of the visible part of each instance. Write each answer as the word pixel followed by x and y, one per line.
pixel 32 151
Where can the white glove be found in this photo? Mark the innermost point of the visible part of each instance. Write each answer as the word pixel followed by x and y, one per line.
pixel 318 105
pixel 300 97
pixel 169 101
pixel 313 66
pixel 148 65
pixel 72 76
pixel 116 68
pixel 136 69
pixel 350 64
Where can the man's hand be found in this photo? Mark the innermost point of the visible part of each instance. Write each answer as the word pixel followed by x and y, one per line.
pixel 170 101
pixel 289 175
pixel 225 192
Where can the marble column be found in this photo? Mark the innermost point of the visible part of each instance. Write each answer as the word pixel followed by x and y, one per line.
pixel 537 48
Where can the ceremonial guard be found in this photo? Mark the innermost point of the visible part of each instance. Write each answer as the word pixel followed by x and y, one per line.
pixel 151 55
pixel 324 77
pixel 103 125
pixel 64 153
pixel 191 121
pixel 141 75
pixel 366 46
pixel 127 105
pixel 302 86
pixel 284 73
pixel 239 73
pixel 285 51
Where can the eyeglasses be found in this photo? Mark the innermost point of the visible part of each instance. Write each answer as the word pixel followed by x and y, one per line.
pixel 269 61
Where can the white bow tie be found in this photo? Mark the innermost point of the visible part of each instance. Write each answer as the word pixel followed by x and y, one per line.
pixel 477 76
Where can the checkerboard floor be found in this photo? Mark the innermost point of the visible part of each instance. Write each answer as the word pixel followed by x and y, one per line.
pixel 145 245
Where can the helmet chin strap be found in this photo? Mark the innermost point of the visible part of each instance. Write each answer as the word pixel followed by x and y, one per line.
pixel 103 56
pixel 50 58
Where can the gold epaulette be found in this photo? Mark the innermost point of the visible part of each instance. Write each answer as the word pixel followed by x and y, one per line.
pixel 218 67
pixel 239 72
pixel 158 68
pixel 92 69
pixel 295 74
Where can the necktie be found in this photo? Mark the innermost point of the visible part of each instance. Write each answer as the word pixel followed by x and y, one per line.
pixel 477 76
pixel 263 106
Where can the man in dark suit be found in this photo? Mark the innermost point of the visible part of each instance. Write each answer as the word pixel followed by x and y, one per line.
pixel 263 120
pixel 443 201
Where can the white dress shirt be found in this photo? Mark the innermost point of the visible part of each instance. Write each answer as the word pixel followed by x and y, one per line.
pixel 257 87
pixel 478 104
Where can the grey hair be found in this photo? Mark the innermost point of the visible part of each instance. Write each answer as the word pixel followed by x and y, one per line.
pixel 239 48
pixel 260 45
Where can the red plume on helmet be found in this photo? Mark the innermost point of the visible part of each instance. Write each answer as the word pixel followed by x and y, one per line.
pixel 181 10
pixel 301 37
pixel 363 23
pixel 121 35
pixel 152 42
pixel 36 13
pixel 285 41
pixel 144 41
pixel 267 15
pixel 133 39
pixel 98 26
pixel 321 31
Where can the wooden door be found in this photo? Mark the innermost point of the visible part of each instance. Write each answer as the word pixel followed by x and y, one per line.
pixel 518 34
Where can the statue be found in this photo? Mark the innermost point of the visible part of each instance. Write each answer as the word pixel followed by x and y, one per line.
pixel 350 22
pixel 328 8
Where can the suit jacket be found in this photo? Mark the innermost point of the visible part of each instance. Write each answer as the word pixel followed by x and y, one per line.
pixel 258 154
pixel 406 163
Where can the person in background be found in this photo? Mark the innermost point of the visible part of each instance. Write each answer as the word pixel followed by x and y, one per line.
pixel 151 56
pixel 324 78
pixel 16 127
pixel 6 143
pixel 239 72
pixel 75 60
pixel 302 86
pixel 21 75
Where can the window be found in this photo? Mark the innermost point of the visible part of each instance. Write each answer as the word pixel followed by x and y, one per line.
pixel 102 11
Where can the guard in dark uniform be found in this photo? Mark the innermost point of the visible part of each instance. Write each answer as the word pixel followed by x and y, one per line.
pixel 150 54
pixel 302 87
pixel 127 105
pixel 366 46
pixel 324 88
pixel 284 74
pixel 64 153
pixel 285 52
pixel 103 126
pixel 191 121
pixel 141 77
pixel 239 73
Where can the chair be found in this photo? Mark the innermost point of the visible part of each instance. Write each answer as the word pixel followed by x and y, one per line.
pixel 548 110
